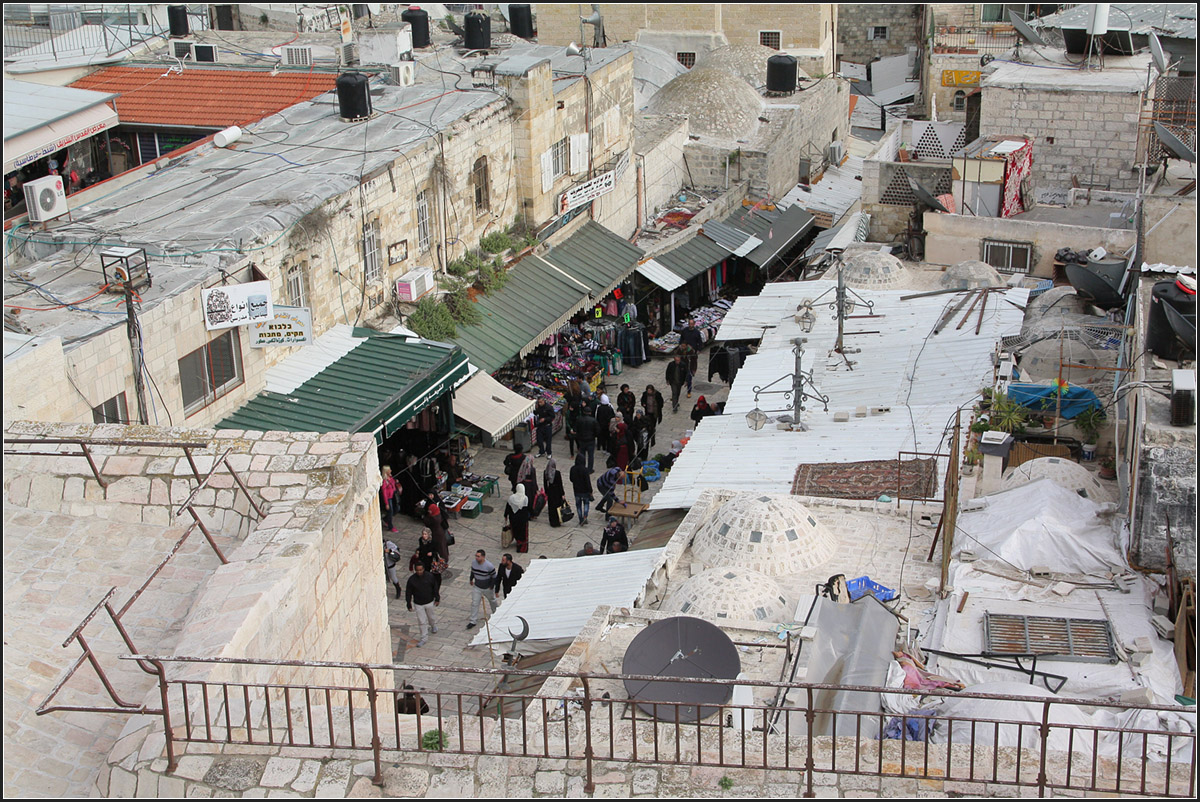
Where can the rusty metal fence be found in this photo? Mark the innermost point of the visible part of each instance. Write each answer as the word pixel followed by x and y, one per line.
pixel 590 719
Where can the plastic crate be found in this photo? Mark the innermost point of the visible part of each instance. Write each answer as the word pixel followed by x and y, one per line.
pixel 650 471
pixel 863 585
pixel 470 509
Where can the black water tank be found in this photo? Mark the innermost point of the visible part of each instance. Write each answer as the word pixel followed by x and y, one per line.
pixel 177 21
pixel 479 31
pixel 354 97
pixel 360 10
pixel 781 74
pixel 418 18
pixel 520 20
pixel 1160 337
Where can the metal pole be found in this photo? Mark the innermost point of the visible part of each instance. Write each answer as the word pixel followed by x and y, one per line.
pixel 135 348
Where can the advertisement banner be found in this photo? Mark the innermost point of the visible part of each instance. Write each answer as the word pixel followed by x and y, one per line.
pixel 292 326
pixel 587 192
pixel 232 305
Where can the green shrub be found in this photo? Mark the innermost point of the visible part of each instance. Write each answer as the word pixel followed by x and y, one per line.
pixel 458 300
pixel 433 320
pixel 496 242
pixel 493 277
pixel 725 782
pixel 460 268
pixel 434 741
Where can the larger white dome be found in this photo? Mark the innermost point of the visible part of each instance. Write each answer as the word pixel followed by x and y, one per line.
pixel 774 535
pixel 873 270
pixel 717 103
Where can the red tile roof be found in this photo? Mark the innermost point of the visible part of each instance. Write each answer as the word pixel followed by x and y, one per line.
pixel 203 98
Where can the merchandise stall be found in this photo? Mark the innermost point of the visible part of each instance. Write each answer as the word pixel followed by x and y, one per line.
pixel 708 321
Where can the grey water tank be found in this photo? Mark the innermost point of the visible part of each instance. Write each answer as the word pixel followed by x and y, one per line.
pixel 479 31
pixel 781 74
pixel 418 18
pixel 354 97
pixel 520 20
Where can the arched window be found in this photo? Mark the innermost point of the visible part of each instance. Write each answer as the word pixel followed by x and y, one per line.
pixel 960 100
pixel 296 285
pixel 479 177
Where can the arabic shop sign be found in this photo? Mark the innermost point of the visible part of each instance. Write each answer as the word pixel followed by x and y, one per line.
pixel 587 192
pixel 230 305
pixel 292 325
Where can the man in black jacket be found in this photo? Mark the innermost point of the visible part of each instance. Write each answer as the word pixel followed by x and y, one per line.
pixel 694 340
pixel 585 434
pixel 677 376
pixel 422 590
pixel 544 416
pixel 510 574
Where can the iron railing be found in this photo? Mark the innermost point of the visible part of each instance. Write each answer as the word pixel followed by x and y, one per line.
pixel 960 39
pixel 590 719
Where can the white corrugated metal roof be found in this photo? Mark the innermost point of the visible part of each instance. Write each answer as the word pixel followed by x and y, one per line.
pixel 837 191
pixel 310 360
pixel 557 597
pixel 660 275
pixel 922 378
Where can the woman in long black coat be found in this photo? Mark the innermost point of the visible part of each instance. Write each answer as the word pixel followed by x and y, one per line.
pixel 516 515
pixel 552 483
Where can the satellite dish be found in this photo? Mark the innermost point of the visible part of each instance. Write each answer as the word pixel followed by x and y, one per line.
pixel 1174 144
pixel 1160 59
pixel 926 197
pixel 681 647
pixel 1024 31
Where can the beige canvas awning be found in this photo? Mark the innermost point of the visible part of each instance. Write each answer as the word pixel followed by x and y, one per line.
pixel 484 402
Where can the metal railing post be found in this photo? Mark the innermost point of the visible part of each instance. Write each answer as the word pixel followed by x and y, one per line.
pixel 376 744
pixel 172 761
pixel 810 717
pixel 1045 733
pixel 589 785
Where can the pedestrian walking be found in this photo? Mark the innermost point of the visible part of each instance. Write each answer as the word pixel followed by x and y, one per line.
pixel 513 463
pixel 626 401
pixel 422 593
pixel 516 516
pixel 387 501
pixel 552 484
pixel 581 486
pixel 586 427
pixel 510 573
pixel 604 417
pixel 677 377
pixel 694 340
pixel 544 416
pixel 483 587
pixel 391 558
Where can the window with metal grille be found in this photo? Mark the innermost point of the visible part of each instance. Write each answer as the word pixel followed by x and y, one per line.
pixel 560 156
pixel 111 411
pixel 1080 640
pixel 479 177
pixel 877 33
pixel 1008 257
pixel 424 230
pixel 296 285
pixel 771 39
pixel 960 100
pixel 371 251
pixel 686 59
pixel 210 371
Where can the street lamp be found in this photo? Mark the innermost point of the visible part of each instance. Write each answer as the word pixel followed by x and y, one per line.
pixel 796 394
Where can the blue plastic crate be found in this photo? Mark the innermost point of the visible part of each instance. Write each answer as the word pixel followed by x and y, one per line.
pixel 863 585
pixel 650 470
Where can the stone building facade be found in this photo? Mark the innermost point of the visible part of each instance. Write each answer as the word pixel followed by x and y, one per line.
pixel 871 31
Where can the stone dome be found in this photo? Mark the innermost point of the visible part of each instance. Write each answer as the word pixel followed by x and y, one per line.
pixel 746 61
pixel 971 275
pixel 874 270
pixel 729 593
pixel 1063 472
pixel 774 535
pixel 717 103
pixel 1063 298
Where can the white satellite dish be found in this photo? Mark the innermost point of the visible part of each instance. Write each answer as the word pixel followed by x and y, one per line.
pixel 1156 50
pixel 1174 144
pixel 1024 30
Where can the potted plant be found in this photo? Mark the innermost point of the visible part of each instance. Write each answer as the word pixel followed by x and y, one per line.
pixel 985 401
pixel 1108 468
pixel 1089 423
pixel 1007 416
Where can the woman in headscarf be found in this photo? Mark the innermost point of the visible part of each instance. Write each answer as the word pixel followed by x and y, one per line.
pixel 527 478
pixel 701 411
pixel 516 515
pixel 552 483
pixel 620 443
pixel 436 523
pixel 604 417
pixel 427 555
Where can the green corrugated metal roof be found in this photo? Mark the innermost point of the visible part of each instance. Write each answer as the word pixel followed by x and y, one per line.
pixel 597 257
pixel 777 230
pixel 536 296
pixel 693 257
pixel 541 294
pixel 377 388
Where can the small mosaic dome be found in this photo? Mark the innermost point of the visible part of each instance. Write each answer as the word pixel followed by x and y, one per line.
pixel 1063 472
pixel 747 61
pixel 732 594
pixel 874 270
pixel 774 535
pixel 717 103
pixel 1040 362
pixel 971 275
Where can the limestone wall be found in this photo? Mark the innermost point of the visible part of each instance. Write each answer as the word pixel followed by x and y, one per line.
pixel 954 238
pixel 936 92
pixel 855 20
pixel 1170 230
pixel 663 170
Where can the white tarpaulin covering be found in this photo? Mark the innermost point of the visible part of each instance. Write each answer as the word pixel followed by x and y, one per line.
pixel 1044 524
pixel 484 402
pixel 557 597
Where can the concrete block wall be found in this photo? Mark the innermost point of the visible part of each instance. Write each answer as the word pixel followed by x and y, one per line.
pixel 888 220
pixel 1092 136
pixel 855 20
pixel 1170 230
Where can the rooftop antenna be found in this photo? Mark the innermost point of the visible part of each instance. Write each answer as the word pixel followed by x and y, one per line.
pixel 915 235
pixel 1025 33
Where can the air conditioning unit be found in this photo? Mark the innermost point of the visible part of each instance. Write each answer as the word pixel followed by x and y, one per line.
pixel 296 56
pixel 348 54
pixel 1183 397
pixel 204 54
pixel 182 49
pixel 46 198
pixel 836 153
pixel 404 73
pixel 413 285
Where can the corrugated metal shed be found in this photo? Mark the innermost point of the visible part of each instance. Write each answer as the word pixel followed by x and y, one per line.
pixel 733 239
pixel 693 257
pixel 855 229
pixel 777 230
pixel 831 197
pixel 920 378
pixel 596 257
pixel 664 278
pixel 557 597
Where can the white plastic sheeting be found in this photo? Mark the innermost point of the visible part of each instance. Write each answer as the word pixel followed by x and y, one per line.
pixel 1042 523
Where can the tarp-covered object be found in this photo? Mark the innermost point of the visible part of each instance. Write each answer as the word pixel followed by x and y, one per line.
pixel 1041 523
pixel 1075 400
pixel 1025 735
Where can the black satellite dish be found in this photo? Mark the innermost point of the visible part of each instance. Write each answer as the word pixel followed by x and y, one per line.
pixel 1183 325
pixel 681 647
pixel 1098 283
pixel 926 197
pixel 1174 144
pixel 1024 31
